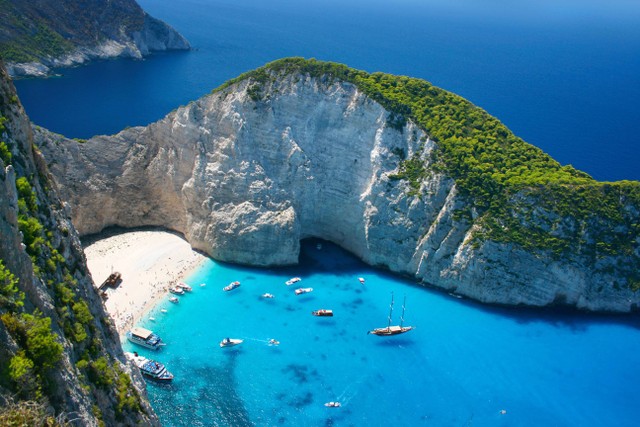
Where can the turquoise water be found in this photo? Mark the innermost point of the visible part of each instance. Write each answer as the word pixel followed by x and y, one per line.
pixel 462 365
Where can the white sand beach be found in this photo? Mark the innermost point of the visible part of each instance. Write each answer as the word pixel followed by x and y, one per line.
pixel 150 263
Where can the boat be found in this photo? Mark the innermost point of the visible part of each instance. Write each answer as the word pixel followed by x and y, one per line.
pixel 184 287
pixel 303 290
pixel 361 280
pixel 145 338
pixel 174 300
pixel 293 280
pixel 267 295
pixel 176 290
pixel 150 368
pixel 323 313
pixel 396 329
pixel 332 404
pixel 231 286
pixel 112 281
pixel 274 342
pixel 230 342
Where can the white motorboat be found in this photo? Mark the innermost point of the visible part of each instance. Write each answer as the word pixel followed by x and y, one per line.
pixel 230 342
pixel 176 290
pixel 231 286
pixel 184 287
pixel 145 338
pixel 303 290
pixel 293 280
pixel 150 368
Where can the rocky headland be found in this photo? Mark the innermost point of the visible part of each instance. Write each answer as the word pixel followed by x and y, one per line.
pixel 59 348
pixel 36 36
pixel 404 175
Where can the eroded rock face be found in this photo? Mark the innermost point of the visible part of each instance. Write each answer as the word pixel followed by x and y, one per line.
pixel 247 172
pixel 69 389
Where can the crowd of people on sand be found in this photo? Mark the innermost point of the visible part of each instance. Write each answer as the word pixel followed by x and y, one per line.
pixel 126 309
pixel 150 263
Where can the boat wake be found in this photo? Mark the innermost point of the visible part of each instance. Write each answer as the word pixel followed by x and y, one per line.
pixel 350 391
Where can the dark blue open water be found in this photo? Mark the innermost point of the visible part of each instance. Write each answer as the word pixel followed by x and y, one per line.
pixel 563 75
pixel 461 366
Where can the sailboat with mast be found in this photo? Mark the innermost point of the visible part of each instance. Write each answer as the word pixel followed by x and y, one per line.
pixel 396 329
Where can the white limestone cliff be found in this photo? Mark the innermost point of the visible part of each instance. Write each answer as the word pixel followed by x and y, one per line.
pixel 249 171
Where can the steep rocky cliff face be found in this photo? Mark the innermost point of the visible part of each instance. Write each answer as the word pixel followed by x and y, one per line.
pixel 275 157
pixel 57 344
pixel 36 35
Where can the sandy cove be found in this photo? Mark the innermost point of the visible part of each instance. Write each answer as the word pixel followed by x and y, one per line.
pixel 150 262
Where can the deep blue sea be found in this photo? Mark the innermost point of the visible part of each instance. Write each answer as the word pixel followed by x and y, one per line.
pixel 461 366
pixel 563 75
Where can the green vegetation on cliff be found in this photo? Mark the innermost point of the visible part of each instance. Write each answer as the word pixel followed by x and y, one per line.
pixel 32 30
pixel 28 413
pixel 25 36
pixel 29 365
pixel 516 193
pixel 40 43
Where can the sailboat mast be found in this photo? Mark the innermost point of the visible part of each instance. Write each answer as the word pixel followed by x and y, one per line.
pixel 402 317
pixel 390 311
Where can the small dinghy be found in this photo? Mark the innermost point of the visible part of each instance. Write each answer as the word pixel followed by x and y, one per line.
pixel 293 280
pixel 267 295
pixel 300 291
pixel 332 404
pixel 323 313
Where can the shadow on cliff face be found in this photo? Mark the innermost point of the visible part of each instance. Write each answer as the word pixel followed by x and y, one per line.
pixel 317 255
pixel 117 230
pixel 558 315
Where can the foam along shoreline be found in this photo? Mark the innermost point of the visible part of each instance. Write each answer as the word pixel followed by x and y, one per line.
pixel 150 262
